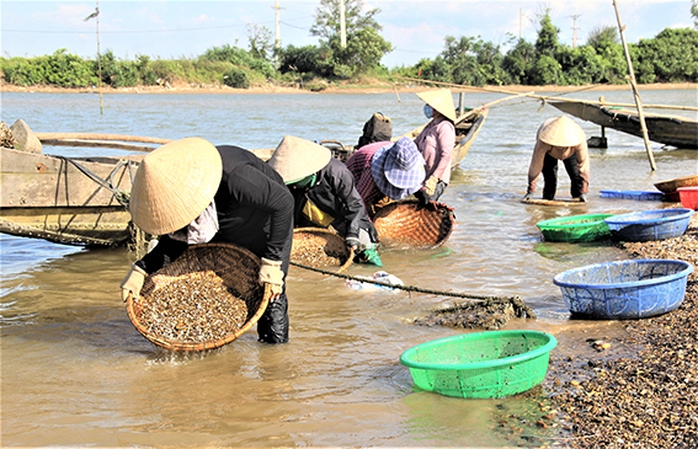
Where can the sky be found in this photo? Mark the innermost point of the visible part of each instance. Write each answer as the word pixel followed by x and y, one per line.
pixel 172 29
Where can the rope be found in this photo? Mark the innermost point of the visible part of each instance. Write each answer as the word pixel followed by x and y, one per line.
pixel 410 288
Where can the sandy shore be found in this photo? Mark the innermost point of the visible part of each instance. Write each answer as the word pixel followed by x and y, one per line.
pixel 336 89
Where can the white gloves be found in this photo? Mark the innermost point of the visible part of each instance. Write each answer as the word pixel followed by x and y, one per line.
pixel 133 282
pixel 270 273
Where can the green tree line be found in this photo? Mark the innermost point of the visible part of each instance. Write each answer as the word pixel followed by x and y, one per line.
pixel 668 57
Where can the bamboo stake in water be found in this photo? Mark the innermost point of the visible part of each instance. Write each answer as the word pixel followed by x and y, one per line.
pixel 633 85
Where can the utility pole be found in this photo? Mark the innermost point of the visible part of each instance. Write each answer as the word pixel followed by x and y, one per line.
pixel 574 29
pixel 342 24
pixel 520 23
pixel 277 41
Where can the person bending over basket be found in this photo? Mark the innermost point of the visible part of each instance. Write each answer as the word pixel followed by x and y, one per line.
pixel 562 139
pixel 436 141
pixel 324 194
pixel 386 172
pixel 189 191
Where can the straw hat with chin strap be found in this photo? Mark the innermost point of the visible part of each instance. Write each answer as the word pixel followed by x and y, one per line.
pixel 561 132
pixel 440 100
pixel 174 184
pixel 296 158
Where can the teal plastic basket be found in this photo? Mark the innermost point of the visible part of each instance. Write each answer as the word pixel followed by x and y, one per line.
pixel 491 364
pixel 575 228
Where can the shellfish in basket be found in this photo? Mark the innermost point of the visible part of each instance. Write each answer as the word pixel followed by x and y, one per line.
pixel 206 298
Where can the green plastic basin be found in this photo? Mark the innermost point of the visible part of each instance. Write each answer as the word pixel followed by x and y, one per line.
pixel 575 228
pixel 491 364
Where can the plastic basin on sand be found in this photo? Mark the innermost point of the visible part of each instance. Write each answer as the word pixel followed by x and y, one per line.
pixel 626 289
pixel 649 225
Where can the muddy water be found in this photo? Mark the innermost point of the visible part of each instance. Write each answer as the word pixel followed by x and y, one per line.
pixel 76 372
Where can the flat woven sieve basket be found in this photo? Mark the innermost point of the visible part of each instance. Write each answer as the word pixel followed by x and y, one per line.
pixel 206 298
pixel 407 224
pixel 320 248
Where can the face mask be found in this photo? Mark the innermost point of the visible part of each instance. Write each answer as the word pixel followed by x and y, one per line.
pixel 428 111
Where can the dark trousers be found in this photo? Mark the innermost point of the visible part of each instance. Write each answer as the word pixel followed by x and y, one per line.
pixel 550 176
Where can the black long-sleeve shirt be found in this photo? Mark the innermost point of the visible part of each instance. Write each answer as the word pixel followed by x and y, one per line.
pixel 335 193
pixel 255 211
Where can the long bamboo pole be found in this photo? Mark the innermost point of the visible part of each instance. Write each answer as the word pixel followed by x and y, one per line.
pixel 557 98
pixel 636 94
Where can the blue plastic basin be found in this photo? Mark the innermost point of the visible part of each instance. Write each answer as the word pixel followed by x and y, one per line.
pixel 649 225
pixel 625 289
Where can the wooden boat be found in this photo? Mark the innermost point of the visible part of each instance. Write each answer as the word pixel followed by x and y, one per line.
pixel 70 201
pixel 468 125
pixel 680 132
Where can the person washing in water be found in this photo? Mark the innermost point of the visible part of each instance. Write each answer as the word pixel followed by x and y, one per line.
pixel 189 192
pixel 325 195
pixel 559 139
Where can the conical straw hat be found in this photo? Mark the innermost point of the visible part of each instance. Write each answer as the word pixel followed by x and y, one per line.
pixel 296 158
pixel 441 100
pixel 174 184
pixel 561 132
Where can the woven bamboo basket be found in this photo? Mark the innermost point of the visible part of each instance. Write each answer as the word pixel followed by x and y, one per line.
pixel 407 224
pixel 320 248
pixel 206 298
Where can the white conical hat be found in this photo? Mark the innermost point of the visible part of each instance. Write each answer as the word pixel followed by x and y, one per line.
pixel 561 132
pixel 441 100
pixel 296 158
pixel 174 184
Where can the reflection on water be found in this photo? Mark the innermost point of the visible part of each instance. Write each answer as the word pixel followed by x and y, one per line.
pixel 76 372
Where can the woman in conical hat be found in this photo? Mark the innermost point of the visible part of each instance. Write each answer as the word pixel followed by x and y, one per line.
pixel 189 191
pixel 436 142
pixel 325 195
pixel 560 139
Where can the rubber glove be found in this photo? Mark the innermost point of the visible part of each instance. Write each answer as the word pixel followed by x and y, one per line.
pixel 430 185
pixel 422 196
pixel 582 198
pixel 527 197
pixel 133 282
pixel 353 242
pixel 270 273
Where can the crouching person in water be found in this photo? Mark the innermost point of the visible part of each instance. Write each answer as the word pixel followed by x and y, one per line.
pixel 190 192
pixel 385 172
pixel 324 195
pixel 557 139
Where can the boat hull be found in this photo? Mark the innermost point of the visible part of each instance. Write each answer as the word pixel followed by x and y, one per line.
pixel 679 132
pixel 68 201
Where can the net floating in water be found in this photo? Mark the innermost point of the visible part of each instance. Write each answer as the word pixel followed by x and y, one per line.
pixel 407 224
pixel 206 298
pixel 319 248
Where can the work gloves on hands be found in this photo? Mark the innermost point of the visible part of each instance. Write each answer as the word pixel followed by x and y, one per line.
pixel 133 282
pixel 422 196
pixel 270 273
pixel 430 185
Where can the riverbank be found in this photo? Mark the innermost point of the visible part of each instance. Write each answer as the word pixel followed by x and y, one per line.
pixel 374 87
pixel 640 389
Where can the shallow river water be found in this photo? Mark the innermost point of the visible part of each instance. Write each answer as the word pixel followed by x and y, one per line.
pixel 76 372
